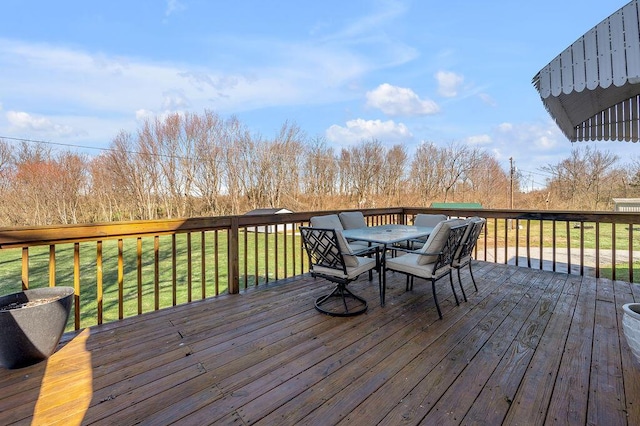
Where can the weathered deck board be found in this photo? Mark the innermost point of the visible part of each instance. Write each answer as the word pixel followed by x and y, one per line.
pixel 534 347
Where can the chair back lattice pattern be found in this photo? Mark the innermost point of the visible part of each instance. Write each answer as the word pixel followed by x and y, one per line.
pixel 472 238
pixel 322 247
pixel 450 247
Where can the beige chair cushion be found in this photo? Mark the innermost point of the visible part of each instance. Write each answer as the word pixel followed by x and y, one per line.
pixel 329 221
pixel 352 220
pixel 436 241
pixel 422 219
pixel 350 260
pixel 363 264
pixel 408 264
pixel 332 221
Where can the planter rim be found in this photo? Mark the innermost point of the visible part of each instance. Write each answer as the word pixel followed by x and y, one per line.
pixel 57 292
pixel 632 309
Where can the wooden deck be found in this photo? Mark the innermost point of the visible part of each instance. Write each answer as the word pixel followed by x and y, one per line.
pixel 530 347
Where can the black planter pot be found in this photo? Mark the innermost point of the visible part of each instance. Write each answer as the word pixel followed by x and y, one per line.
pixel 30 334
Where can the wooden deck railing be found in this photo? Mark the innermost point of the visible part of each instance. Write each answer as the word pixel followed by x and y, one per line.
pixel 124 269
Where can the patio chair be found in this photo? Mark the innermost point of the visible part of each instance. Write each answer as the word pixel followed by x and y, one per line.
pixel 331 258
pixel 332 221
pixel 463 256
pixel 352 220
pixel 433 260
pixel 423 219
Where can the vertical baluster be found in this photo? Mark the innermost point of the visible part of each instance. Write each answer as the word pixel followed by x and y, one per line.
pixel 25 268
pixel 517 242
pixel 216 261
pixel 120 278
pixel 568 247
pixel 156 272
pixel 76 283
pixel 203 264
pixel 139 271
pixel 189 269
pixel 541 242
pixel 99 287
pixel 613 251
pixel 174 270
pixel 52 265
pixel 597 249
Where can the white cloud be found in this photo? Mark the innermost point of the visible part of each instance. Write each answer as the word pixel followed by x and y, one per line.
pixel 393 100
pixel 448 83
pixel 479 139
pixel 23 121
pixel 174 6
pixel 360 129
pixel 487 99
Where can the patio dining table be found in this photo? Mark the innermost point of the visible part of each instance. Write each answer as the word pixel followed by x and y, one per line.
pixel 386 235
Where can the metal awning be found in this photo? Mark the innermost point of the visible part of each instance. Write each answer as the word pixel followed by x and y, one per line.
pixel 592 88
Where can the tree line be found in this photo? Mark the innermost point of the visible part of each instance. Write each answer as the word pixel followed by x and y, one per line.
pixel 187 165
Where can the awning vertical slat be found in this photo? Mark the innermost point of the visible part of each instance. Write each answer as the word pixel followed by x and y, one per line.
pixel 579 68
pixel 634 118
pixel 627 120
pixel 604 54
pixel 614 122
pixel 556 77
pixel 566 62
pixel 591 62
pixel 632 40
pixel 620 121
pixel 606 118
pixel 618 63
pixel 545 82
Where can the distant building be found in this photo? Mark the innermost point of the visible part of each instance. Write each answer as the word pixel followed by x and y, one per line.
pixel 270 228
pixel 626 204
pixel 456 205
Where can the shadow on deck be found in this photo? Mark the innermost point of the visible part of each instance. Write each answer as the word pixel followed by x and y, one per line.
pixel 530 347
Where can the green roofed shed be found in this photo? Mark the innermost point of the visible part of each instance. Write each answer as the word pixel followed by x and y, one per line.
pixel 456 205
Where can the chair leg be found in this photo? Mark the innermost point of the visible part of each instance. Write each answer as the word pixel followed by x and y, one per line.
pixel 343 292
pixel 472 278
pixel 453 288
pixel 464 295
pixel 382 283
pixel 435 297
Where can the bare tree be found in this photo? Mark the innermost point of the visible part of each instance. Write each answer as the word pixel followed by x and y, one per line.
pixel 320 173
pixel 425 172
pixel 455 161
pixel 581 178
pixel 488 183
pixel 365 165
pixel 209 135
pixel 392 175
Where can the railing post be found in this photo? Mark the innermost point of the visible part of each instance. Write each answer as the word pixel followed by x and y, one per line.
pixel 234 256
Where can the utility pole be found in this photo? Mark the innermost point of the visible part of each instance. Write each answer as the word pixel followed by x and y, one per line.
pixel 511 188
pixel 511 183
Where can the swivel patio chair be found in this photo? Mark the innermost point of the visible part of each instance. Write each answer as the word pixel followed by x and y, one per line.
pixel 331 258
pixel 463 256
pixel 433 260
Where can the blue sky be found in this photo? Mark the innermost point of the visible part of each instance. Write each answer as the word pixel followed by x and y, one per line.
pixel 79 72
